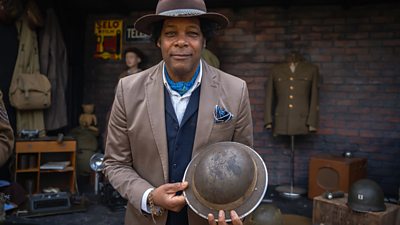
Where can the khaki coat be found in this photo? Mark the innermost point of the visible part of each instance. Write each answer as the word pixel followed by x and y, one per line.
pixel 27 62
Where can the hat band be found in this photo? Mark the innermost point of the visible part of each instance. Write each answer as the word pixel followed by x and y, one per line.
pixel 182 12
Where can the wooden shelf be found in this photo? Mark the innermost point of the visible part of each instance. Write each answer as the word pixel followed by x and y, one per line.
pixel 27 170
pixel 30 154
pixel 67 169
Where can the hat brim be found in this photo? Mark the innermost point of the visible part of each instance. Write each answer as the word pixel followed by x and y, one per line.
pixel 250 203
pixel 145 23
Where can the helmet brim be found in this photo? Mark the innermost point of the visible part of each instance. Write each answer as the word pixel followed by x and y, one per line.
pixel 250 202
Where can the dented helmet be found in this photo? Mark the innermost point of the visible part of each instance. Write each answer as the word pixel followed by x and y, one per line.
pixel 225 176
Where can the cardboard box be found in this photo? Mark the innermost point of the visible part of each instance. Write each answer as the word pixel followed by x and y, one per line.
pixel 336 212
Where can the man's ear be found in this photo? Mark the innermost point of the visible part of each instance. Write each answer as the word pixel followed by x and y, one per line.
pixel 159 43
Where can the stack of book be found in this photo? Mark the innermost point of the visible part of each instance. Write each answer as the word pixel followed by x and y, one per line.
pixel 55 165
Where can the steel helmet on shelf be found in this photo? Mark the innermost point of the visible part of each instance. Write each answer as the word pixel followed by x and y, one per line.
pixel 265 214
pixel 225 176
pixel 366 195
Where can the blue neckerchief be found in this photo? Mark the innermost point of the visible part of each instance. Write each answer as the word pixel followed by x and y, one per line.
pixel 181 87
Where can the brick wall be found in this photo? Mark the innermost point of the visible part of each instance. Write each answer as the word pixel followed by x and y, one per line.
pixel 357 51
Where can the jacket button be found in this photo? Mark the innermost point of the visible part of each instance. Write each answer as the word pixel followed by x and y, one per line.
pixel 291 96
pixel 291 87
pixel 291 78
pixel 290 106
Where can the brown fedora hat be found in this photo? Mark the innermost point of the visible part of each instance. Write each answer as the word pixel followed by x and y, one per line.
pixel 179 8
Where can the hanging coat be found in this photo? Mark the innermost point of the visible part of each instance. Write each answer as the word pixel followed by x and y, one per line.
pixel 292 99
pixel 27 63
pixel 53 63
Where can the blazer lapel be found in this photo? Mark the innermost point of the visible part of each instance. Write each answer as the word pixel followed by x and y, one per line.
pixel 208 100
pixel 156 111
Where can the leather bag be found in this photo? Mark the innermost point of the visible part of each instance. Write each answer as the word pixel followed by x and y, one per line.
pixel 10 10
pixel 34 15
pixel 30 92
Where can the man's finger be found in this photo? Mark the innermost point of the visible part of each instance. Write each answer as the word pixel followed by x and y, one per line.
pixel 211 219
pixel 221 218
pixel 235 218
pixel 175 187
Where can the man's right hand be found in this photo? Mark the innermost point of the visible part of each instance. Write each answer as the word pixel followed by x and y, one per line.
pixel 165 196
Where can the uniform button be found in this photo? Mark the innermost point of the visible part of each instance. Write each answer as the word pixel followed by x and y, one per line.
pixel 290 106
pixel 291 87
pixel 177 128
pixel 291 78
pixel 174 165
pixel 291 96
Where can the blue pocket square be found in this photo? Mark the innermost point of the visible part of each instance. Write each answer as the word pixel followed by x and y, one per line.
pixel 221 115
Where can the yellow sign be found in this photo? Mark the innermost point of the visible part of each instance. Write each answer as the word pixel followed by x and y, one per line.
pixel 108 39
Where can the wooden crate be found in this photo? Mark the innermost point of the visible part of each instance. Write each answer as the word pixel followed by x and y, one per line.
pixel 334 173
pixel 336 212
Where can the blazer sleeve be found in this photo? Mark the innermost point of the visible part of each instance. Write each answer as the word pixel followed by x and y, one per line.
pixel 118 157
pixel 244 127
pixel 313 115
pixel 6 134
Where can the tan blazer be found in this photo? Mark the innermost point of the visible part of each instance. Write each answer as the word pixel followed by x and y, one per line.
pixel 136 156
pixel 292 99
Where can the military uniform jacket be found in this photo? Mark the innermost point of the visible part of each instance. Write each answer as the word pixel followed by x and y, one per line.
pixel 6 134
pixel 291 104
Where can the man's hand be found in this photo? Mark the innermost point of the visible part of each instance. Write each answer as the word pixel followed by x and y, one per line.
pixel 165 196
pixel 221 218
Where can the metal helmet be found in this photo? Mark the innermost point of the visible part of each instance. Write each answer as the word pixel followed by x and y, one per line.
pixel 225 176
pixel 265 214
pixel 366 195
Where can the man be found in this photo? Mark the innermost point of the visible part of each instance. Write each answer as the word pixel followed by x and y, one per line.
pixel 6 134
pixel 161 117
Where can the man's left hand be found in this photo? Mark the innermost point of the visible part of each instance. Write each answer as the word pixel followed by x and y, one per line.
pixel 221 218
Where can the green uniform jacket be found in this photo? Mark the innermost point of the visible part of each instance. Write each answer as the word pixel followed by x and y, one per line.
pixel 6 134
pixel 292 102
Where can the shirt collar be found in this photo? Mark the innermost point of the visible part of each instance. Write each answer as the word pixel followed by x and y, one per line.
pixel 189 92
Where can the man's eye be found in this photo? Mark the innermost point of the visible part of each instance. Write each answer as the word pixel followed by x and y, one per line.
pixel 193 34
pixel 169 34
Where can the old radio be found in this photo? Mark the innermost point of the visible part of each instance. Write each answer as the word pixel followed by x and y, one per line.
pixel 49 202
pixel 334 173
